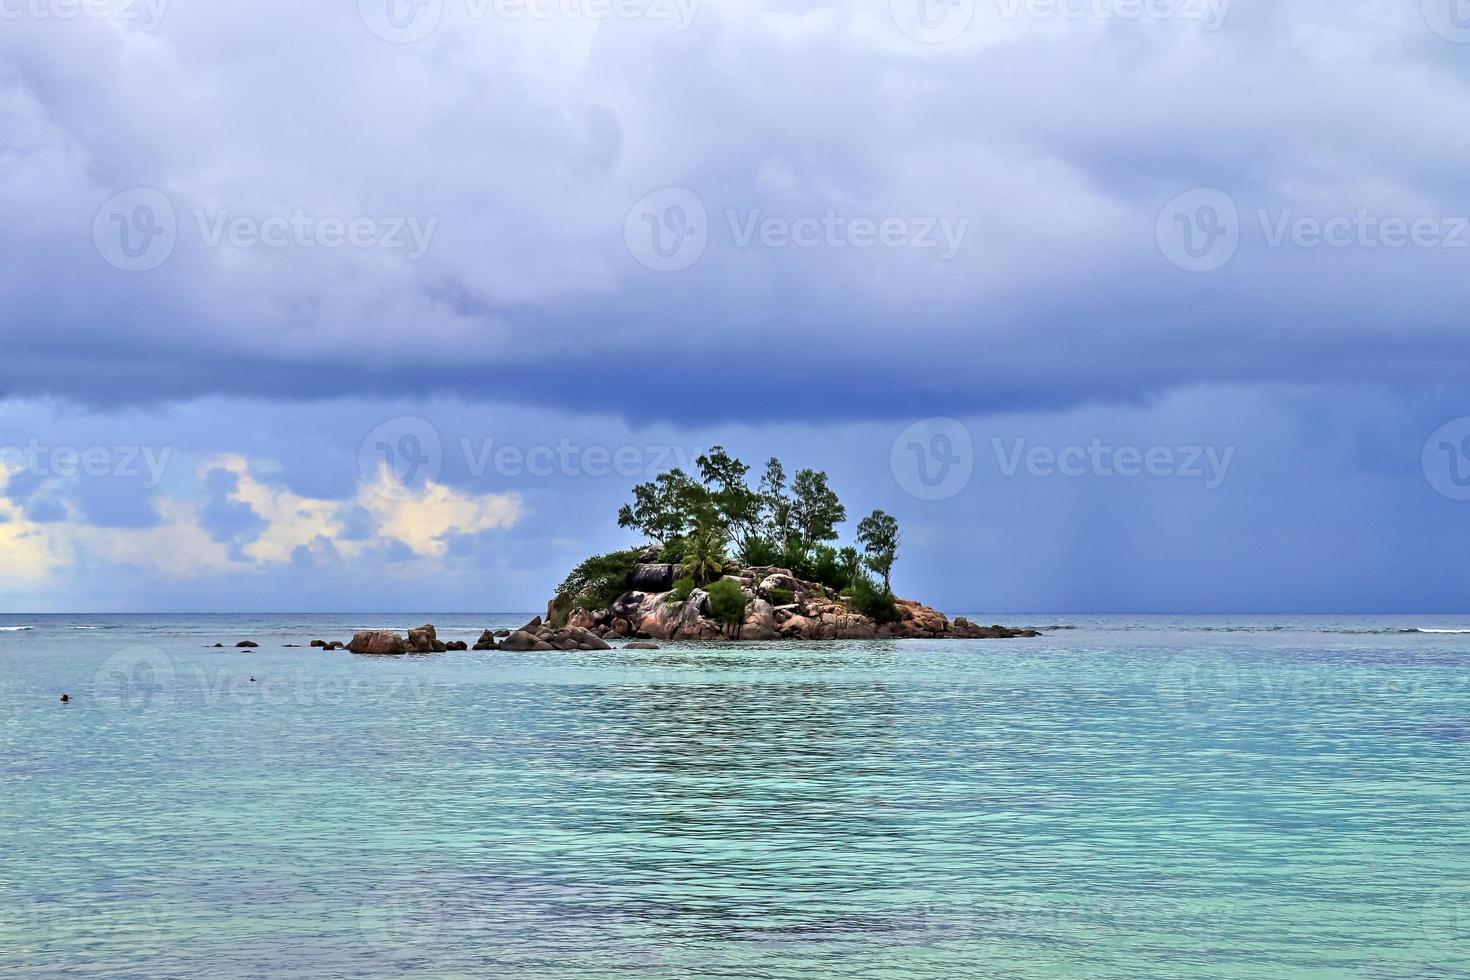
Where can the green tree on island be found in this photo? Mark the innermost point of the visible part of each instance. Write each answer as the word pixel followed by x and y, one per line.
pixel 704 554
pixel 775 505
pixel 663 509
pixel 878 534
pixel 815 509
pixel 792 525
pixel 726 497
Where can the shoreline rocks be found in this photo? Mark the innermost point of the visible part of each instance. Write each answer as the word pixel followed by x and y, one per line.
pixel 540 637
pixel 641 618
pixel 425 639
pixel 377 643
pixel 807 611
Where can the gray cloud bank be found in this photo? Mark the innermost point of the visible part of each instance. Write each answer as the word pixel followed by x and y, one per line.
pixel 341 214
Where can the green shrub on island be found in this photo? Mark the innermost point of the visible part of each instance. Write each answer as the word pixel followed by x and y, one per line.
pixel 597 582
pixel 727 602
pixel 758 552
pixel 674 551
pixel 874 603
pixel 683 589
pixel 832 567
pixel 826 567
pixel 780 597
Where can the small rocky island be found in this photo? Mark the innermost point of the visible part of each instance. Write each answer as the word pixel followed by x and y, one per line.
pixel 773 605
pixel 723 561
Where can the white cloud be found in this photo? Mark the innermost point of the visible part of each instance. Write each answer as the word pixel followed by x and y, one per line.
pixel 27 552
pixel 426 521
pixel 181 547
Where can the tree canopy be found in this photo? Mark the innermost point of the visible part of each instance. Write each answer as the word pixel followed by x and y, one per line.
pixel 878 534
pixel 791 523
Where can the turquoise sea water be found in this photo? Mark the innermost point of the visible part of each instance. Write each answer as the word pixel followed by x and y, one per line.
pixel 1129 797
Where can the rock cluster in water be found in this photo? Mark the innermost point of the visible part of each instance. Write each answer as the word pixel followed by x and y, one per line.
pixel 779 606
pixel 535 635
pixel 424 639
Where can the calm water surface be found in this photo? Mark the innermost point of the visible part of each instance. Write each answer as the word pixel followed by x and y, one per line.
pixel 1124 798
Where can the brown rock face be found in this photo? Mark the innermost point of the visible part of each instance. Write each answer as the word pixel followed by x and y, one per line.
pixel 581 618
pixel 782 579
pixel 760 621
pixel 966 630
pixel 377 642
pixel 815 613
pixel 585 639
pixel 486 641
pixel 918 620
pixel 795 627
pixel 520 640
pixel 648 577
pixel 853 627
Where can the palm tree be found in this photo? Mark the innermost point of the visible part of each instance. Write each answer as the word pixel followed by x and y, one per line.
pixel 704 558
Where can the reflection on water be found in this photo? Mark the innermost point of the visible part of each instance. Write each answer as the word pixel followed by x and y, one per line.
pixel 1157 800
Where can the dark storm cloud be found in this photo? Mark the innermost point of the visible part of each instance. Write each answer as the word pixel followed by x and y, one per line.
pixel 520 153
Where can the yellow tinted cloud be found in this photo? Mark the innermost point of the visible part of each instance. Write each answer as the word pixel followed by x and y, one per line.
pixel 180 547
pixel 424 522
pixel 27 552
